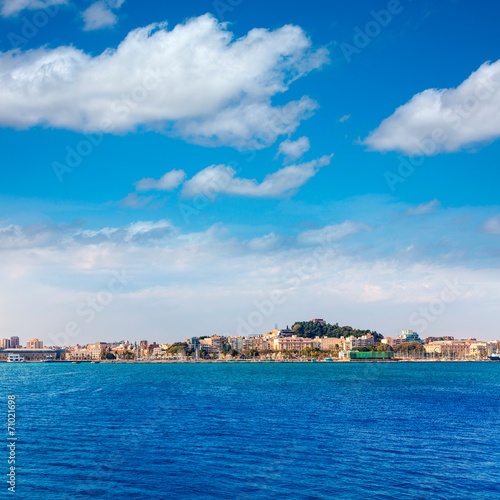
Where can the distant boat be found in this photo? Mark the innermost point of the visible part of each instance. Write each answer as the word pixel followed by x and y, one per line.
pixel 495 356
pixel 15 358
pixel 76 362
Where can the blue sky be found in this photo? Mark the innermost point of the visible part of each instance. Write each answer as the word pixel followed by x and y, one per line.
pixel 246 164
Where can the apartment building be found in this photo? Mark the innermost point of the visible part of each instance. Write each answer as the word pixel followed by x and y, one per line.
pixel 294 343
pixel 329 343
pixel 34 344
pixel 455 348
pixel 96 349
pixel 353 342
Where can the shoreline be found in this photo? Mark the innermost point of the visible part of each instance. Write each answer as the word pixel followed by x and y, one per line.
pixel 246 361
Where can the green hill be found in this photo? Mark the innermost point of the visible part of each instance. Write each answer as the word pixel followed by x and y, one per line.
pixel 311 329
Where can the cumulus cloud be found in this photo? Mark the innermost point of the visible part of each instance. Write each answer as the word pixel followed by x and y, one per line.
pixel 344 118
pixel 492 225
pixel 424 208
pixel 13 7
pixel 444 120
pixel 250 125
pixel 194 81
pixel 98 16
pixel 222 179
pixel 166 182
pixel 292 150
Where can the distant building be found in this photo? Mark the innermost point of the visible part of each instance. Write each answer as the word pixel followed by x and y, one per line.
pixel 152 347
pixel 410 336
pixel 193 342
pixel 256 342
pixel 478 349
pixel 434 339
pixel 392 341
pixel 212 344
pixel 4 343
pixel 236 342
pixel 329 343
pixel 79 354
pixel 362 356
pixel 458 348
pixel 353 342
pixel 96 349
pixel 33 354
pixel 455 348
pixel 283 332
pixel 14 342
pixel 406 336
pixel 320 321
pixel 34 344
pixel 158 352
pixel 294 343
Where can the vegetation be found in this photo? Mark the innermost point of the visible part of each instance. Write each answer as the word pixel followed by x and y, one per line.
pixel 312 352
pixel 410 347
pixel 384 347
pixel 311 329
pixel 180 348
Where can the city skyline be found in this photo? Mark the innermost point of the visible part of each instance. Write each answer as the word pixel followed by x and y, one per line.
pixel 335 160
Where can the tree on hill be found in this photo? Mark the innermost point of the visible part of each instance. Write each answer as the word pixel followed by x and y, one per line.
pixel 311 329
pixel 409 347
pixel 180 348
pixel 384 347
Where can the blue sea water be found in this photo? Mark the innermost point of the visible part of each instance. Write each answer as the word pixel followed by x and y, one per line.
pixel 256 431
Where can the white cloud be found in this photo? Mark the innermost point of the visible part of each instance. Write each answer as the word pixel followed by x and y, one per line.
pixel 492 225
pixel 13 7
pixel 195 81
pixel 167 182
pixel 138 232
pixel 99 15
pixel 249 125
pixel 444 120
pixel 266 243
pixel 133 200
pixel 344 118
pixel 221 179
pixel 424 208
pixel 51 270
pixel 330 234
pixel 294 149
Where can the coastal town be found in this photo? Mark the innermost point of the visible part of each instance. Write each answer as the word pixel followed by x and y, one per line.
pixel 298 343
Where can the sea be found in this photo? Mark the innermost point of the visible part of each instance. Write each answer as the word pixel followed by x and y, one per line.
pixel 253 430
